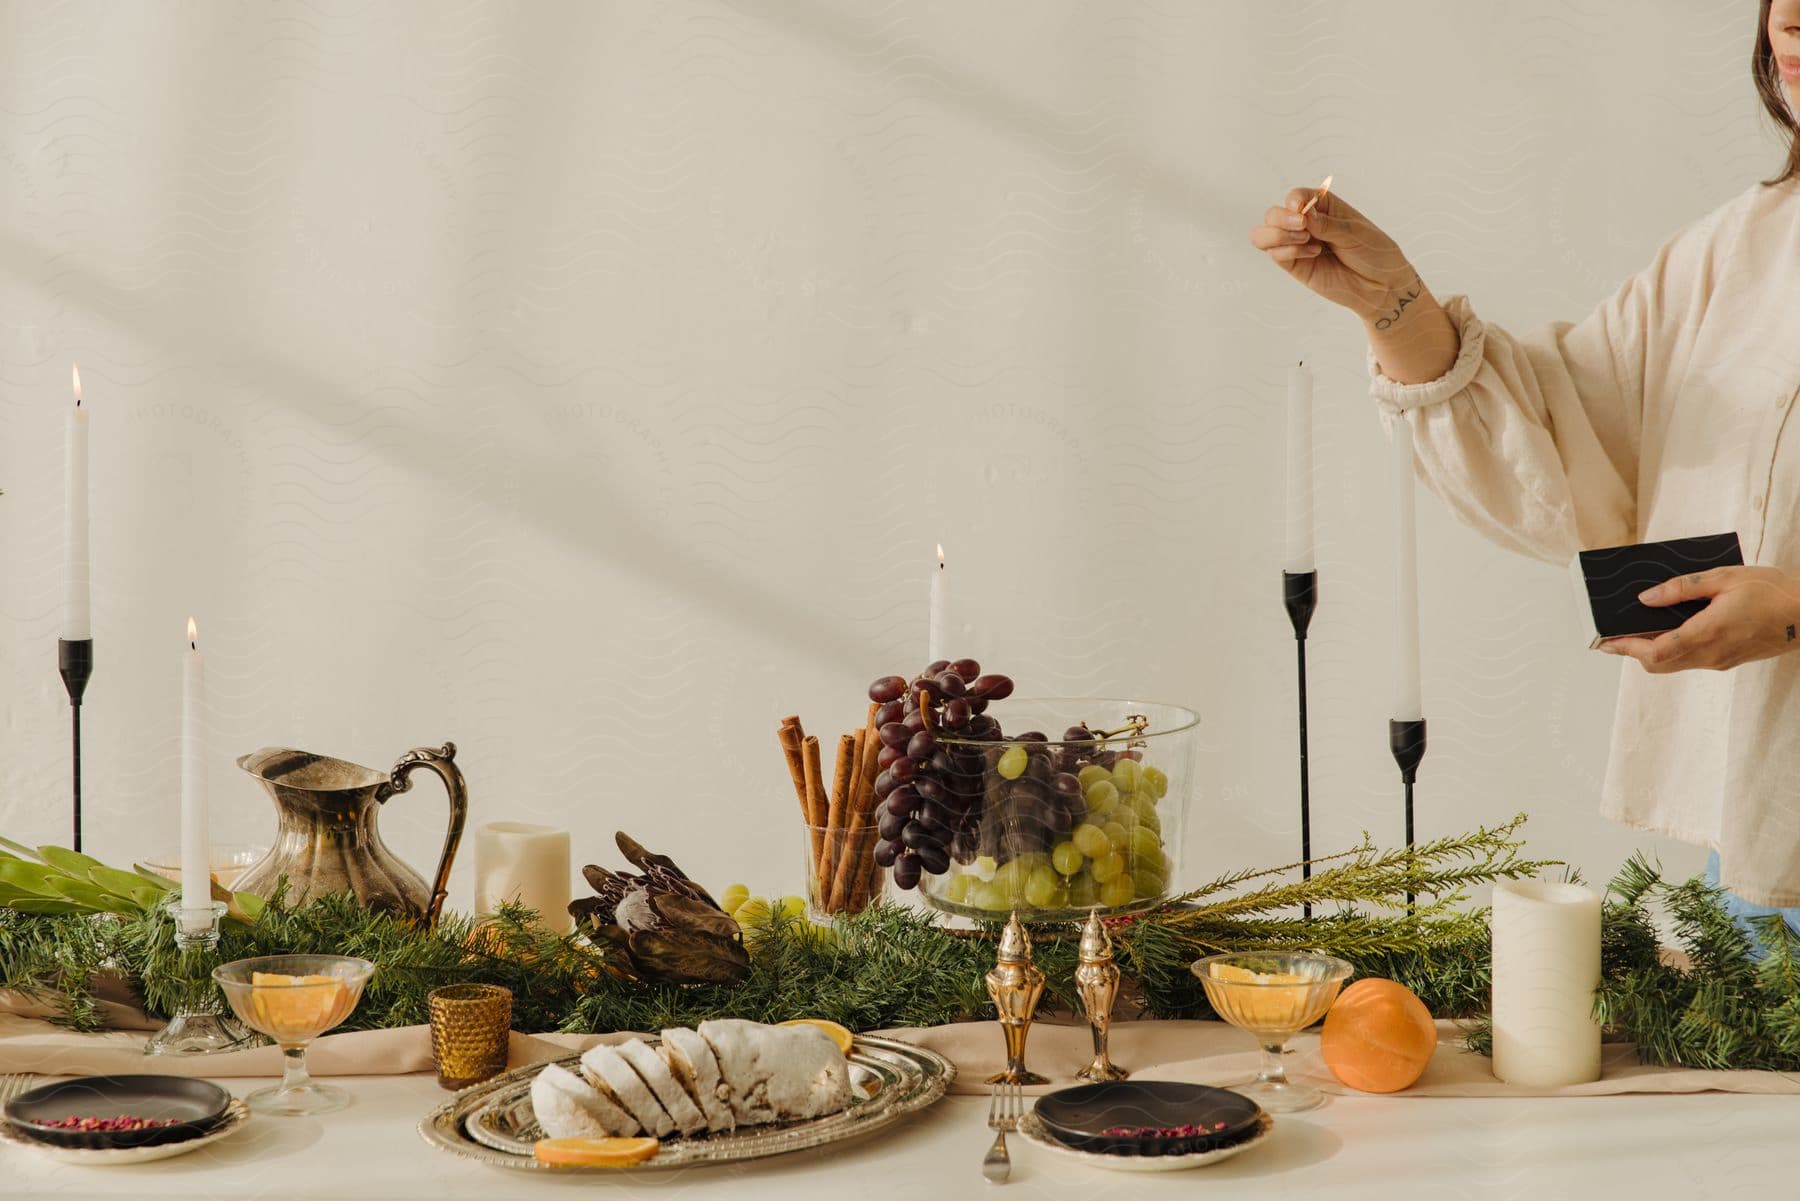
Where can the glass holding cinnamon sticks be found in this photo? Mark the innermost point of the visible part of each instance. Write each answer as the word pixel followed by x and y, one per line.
pixel 851 881
pixel 838 814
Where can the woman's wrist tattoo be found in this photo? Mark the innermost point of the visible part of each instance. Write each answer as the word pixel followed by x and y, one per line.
pixel 1401 299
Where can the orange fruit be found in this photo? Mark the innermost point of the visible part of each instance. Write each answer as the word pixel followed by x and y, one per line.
pixel 1378 1037
pixel 839 1034
pixel 595 1152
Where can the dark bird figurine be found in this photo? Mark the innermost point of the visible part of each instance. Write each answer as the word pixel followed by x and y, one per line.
pixel 667 928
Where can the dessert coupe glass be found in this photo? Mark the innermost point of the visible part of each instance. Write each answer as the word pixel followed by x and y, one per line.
pixel 293 999
pixel 1273 995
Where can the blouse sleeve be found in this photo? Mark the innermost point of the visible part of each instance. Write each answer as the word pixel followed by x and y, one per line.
pixel 1534 441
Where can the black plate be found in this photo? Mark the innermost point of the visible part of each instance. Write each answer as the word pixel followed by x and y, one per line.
pixel 197 1105
pixel 1080 1116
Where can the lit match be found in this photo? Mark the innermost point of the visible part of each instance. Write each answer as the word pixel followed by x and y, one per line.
pixel 1317 196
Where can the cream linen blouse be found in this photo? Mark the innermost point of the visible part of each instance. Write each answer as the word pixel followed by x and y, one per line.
pixel 1666 413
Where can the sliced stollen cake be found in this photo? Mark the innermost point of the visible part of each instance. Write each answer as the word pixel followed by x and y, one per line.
pixel 607 1066
pixel 695 1066
pixel 569 1107
pixel 778 1073
pixel 652 1070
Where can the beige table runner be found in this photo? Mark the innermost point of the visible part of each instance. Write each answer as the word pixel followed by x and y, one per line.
pixel 1201 1052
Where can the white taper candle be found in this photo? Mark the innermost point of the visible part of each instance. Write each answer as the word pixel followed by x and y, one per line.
pixel 1299 556
pixel 196 850
pixel 77 619
pixel 934 635
pixel 1408 704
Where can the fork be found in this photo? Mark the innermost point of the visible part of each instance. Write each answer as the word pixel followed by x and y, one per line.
pixel 1004 1110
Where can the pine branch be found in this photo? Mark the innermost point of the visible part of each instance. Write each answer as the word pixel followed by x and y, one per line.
pixel 1738 1006
pixel 1372 878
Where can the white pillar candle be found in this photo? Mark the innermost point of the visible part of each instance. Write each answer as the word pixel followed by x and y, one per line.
pixel 196 851
pixel 934 634
pixel 1299 557
pixel 1546 966
pixel 77 621
pixel 1408 705
pixel 518 861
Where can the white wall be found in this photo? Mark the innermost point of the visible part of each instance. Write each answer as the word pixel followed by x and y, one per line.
pixel 588 384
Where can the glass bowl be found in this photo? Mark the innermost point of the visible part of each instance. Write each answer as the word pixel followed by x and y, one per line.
pixel 1053 826
pixel 293 999
pixel 226 863
pixel 1273 995
pixel 841 874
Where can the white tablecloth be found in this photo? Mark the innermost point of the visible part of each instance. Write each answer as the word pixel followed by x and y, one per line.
pixel 1543 1149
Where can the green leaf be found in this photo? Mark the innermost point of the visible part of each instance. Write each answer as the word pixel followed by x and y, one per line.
pixel 120 883
pixel 19 849
pixel 26 876
pixel 249 904
pixel 83 894
pixel 44 905
pixel 72 862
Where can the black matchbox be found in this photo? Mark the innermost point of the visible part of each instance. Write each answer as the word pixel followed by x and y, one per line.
pixel 1608 580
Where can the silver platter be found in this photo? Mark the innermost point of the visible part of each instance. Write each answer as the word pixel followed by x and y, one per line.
pixel 492 1122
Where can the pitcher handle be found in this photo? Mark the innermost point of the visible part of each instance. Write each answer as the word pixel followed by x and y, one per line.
pixel 400 779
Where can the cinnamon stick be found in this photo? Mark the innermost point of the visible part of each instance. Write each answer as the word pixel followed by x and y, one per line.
pixel 870 884
pixel 859 839
pixel 790 736
pixel 863 787
pixel 815 782
pixel 842 805
pixel 849 754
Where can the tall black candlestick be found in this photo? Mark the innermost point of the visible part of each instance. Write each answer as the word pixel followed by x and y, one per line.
pixel 75 662
pixel 1406 739
pixel 1300 594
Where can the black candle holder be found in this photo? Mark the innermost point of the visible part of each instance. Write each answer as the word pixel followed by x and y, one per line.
pixel 1406 739
pixel 1300 595
pixel 75 663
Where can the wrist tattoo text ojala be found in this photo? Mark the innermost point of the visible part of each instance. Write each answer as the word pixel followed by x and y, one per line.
pixel 1405 298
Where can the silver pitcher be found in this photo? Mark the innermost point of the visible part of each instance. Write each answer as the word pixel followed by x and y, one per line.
pixel 328 839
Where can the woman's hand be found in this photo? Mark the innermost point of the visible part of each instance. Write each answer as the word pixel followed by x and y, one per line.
pixel 1337 252
pixel 1349 260
pixel 1753 614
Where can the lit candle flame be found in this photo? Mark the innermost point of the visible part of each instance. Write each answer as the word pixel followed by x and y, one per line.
pixel 193 635
pixel 940 551
pixel 1324 190
pixel 75 374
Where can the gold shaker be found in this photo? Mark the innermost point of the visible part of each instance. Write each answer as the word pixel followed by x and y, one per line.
pixel 1097 983
pixel 1015 984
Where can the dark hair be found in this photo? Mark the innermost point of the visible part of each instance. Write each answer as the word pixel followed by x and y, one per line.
pixel 1769 87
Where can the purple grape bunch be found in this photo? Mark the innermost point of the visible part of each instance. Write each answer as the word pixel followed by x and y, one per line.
pixel 948 794
pixel 930 769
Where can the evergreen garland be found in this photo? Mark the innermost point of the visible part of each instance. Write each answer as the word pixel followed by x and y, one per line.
pixel 1736 1006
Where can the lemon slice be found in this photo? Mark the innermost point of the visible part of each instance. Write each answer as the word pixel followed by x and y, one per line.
pixel 1280 1003
pixel 595 1152
pixel 1243 975
pixel 839 1035
pixel 296 1007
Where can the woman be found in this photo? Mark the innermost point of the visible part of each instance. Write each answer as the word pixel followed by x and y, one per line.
pixel 1670 411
